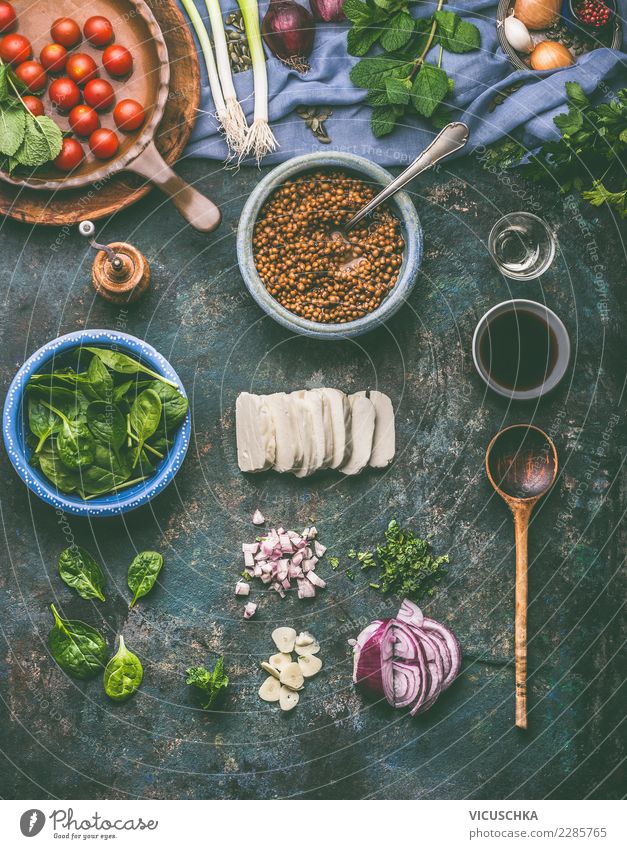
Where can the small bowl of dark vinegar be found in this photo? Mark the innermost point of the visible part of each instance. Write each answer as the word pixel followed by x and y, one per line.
pixel 521 349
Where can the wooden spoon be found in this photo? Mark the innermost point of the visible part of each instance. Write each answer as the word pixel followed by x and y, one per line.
pixel 521 464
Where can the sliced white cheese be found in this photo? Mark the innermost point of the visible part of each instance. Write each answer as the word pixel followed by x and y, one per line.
pixel 384 440
pixel 340 414
pixel 327 428
pixel 309 409
pixel 289 451
pixel 256 444
pixel 362 433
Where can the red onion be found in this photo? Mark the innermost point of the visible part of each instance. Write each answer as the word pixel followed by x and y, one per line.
pixel 409 660
pixel 288 30
pixel 328 10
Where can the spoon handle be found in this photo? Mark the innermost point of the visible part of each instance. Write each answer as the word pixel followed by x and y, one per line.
pixel 521 526
pixel 452 138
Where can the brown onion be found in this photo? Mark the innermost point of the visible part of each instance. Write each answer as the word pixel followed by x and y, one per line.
pixel 537 14
pixel 288 30
pixel 550 54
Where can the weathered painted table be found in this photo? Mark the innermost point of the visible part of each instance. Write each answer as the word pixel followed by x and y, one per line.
pixel 65 739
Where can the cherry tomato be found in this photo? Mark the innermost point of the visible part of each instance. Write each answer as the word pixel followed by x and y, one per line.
pixel 83 120
pixel 15 48
pixel 53 57
pixel 104 143
pixel 128 115
pixel 117 60
pixel 99 94
pixel 98 31
pixel 7 16
pixel 33 75
pixel 65 31
pixel 71 155
pixel 81 68
pixel 64 93
pixel 33 104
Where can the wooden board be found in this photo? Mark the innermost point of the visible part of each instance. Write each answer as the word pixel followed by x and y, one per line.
pixel 121 190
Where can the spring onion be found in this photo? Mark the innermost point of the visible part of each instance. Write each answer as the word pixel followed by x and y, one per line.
pixel 260 139
pixel 234 123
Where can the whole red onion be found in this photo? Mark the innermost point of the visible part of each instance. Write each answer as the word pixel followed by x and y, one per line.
pixel 288 29
pixel 328 10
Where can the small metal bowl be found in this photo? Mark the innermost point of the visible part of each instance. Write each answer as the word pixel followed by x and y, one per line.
pixel 14 428
pixel 401 205
pixel 562 338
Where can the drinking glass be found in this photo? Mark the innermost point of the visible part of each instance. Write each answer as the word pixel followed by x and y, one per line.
pixel 522 245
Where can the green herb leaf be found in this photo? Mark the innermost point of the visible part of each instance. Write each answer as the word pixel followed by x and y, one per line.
pixel 211 685
pixel 371 73
pixel 42 421
pixel 383 119
pixel 107 472
pixel 360 39
pixel 75 444
pixel 429 88
pixel 99 380
pixel 51 465
pixel 174 405
pixel 144 417
pixel 125 365
pixel 79 649
pixel 107 424
pixel 465 38
pixel 79 570
pixel 123 674
pixel 397 91
pixel 42 141
pixel 399 30
pixel 599 195
pixel 576 95
pixel 143 573
pixel 12 128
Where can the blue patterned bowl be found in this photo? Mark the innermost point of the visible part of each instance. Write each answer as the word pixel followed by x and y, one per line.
pixel 14 430
pixel 401 205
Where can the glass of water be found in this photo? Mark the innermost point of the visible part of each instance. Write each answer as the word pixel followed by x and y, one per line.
pixel 522 245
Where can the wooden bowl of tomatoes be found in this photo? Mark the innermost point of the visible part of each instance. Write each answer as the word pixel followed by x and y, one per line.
pixel 86 87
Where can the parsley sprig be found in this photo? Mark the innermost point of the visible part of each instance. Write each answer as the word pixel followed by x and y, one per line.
pixel 210 684
pixel 398 78
pixel 406 565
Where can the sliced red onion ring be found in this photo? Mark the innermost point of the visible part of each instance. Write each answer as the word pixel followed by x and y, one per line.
pixel 410 613
pixel 447 638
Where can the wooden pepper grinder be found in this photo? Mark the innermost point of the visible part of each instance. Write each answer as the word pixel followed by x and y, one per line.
pixel 120 272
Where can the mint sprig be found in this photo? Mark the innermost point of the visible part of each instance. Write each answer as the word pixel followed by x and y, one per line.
pixel 399 80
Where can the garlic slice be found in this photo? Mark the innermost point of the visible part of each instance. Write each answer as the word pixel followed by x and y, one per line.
pixel 304 639
pixel 288 699
pixel 310 648
pixel 270 690
pixel 310 665
pixel 280 660
pixel 292 676
pixel 284 639
pixel 270 669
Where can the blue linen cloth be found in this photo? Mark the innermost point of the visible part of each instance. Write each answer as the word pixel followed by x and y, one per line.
pixel 526 115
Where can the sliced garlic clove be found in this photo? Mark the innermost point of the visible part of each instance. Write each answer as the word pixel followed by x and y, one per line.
pixel 284 639
pixel 270 690
pixel 310 648
pixel 288 699
pixel 269 669
pixel 304 639
pixel 292 676
pixel 309 665
pixel 280 660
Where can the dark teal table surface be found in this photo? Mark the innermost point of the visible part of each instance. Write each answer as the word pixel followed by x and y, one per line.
pixel 62 738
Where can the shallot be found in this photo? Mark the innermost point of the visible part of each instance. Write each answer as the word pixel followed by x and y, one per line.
pixel 288 30
pixel 517 34
pixel 328 10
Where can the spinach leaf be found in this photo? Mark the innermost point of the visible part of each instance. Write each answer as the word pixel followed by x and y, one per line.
pixel 144 418
pixel 79 649
pixel 107 472
pixel 123 364
pixel 210 684
pixel 99 380
pixel 50 463
pixel 174 405
pixel 123 674
pixel 143 573
pixel 75 444
pixel 107 425
pixel 42 421
pixel 79 570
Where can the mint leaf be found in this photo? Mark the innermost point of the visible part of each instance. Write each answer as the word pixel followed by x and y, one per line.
pixel 384 119
pixel 447 22
pixel 371 73
pixel 397 91
pixel 360 39
pixel 377 97
pixel 4 85
pixel 429 89
pixel 42 141
pixel 398 32
pixel 465 38
pixel 12 126
pixel 362 14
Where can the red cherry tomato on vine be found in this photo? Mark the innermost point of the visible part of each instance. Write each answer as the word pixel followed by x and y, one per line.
pixel 104 143
pixel 65 31
pixel 7 16
pixel 53 57
pixel 15 48
pixel 33 104
pixel 117 60
pixel 33 75
pixel 98 31
pixel 71 155
pixel 81 68
pixel 64 93
pixel 99 94
pixel 83 120
pixel 128 115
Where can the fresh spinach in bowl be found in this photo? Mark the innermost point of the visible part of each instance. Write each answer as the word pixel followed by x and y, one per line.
pixel 93 429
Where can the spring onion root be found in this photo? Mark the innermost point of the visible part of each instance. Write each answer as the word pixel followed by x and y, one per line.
pixel 235 125
pixel 260 139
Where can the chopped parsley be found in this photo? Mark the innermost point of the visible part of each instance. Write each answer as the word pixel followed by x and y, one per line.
pixel 210 684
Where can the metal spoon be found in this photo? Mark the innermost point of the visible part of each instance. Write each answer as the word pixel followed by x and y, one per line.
pixel 452 138
pixel 521 464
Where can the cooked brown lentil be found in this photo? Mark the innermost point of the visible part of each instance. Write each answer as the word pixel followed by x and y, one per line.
pixel 311 270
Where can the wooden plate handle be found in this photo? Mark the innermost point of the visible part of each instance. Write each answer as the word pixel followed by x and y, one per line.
pixel 195 208
pixel 521 512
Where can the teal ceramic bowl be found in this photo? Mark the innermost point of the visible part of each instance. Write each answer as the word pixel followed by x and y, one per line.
pixel 401 205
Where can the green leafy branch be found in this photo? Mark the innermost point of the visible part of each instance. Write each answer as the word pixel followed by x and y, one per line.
pixel 399 79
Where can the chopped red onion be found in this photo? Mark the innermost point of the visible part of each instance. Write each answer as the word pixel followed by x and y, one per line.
pixel 258 518
pixel 249 610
